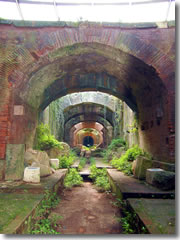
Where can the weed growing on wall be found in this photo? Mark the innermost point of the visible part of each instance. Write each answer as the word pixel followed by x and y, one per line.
pixel 129 220
pixel 100 178
pixel 44 140
pixel 73 178
pixel 44 225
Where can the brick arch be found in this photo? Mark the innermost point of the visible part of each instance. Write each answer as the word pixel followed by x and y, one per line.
pixel 107 130
pixel 89 110
pixel 80 126
pixel 142 57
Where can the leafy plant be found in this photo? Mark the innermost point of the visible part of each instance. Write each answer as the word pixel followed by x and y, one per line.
pixel 92 161
pixel 103 183
pixel 73 178
pixel 66 161
pixel 82 163
pixel 117 143
pixel 129 220
pixel 44 140
pixel 95 172
pixel 124 162
pixel 99 176
pixel 111 151
pixel 133 152
pixel 43 225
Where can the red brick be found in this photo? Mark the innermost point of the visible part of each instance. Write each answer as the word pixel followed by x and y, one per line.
pixel 2 150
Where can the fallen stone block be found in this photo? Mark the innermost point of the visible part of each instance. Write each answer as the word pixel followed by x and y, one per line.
pixel 161 179
pixel 32 174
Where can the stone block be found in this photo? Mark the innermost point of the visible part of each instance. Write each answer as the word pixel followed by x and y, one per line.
pixel 2 169
pixel 14 161
pixel 56 152
pixel 160 178
pixel 54 162
pixel 32 155
pixel 44 169
pixel 32 174
pixel 139 167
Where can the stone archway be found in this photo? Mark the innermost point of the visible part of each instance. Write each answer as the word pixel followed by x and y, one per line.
pixel 51 62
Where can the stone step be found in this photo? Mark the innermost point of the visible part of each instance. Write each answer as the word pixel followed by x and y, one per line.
pixel 158 215
pixel 129 187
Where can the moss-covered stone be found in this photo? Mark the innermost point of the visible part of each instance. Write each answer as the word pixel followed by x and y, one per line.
pixel 139 167
pixel 14 161
pixel 164 180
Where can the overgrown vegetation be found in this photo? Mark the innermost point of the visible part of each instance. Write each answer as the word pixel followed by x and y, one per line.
pixel 124 163
pixel 92 161
pixel 111 150
pixel 100 178
pixel 67 160
pixel 44 139
pixel 129 220
pixel 73 178
pixel 82 163
pixel 116 143
pixel 44 225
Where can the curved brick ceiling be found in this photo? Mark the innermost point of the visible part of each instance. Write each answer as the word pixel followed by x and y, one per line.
pixel 89 67
pixel 89 110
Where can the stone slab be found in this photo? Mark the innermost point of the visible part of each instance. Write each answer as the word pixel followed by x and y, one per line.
pixel 101 164
pixel 14 208
pixel 14 161
pixel 21 187
pixel 19 201
pixel 131 187
pixel 158 215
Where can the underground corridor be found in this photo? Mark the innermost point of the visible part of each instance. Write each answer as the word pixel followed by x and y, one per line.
pixel 87 124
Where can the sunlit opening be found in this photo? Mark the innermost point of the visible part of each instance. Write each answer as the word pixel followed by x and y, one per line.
pixel 86 10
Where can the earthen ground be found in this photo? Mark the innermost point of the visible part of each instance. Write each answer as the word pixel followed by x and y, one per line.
pixel 84 210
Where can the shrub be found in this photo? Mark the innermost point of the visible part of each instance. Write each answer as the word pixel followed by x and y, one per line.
pixel 73 178
pixel 102 182
pixel 44 140
pixel 99 176
pixel 111 150
pixel 66 161
pixel 117 143
pixel 95 172
pixel 123 163
pixel 133 153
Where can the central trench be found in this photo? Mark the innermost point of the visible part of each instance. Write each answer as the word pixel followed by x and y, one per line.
pixel 84 210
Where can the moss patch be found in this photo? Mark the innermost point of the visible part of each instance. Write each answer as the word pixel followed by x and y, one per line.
pixel 14 208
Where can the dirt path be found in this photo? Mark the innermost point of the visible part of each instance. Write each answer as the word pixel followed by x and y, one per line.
pixel 86 211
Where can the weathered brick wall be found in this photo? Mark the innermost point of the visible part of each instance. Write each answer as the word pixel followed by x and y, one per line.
pixel 36 59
